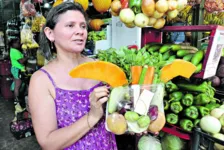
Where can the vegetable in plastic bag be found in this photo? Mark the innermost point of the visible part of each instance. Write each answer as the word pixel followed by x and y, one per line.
pixel 148 142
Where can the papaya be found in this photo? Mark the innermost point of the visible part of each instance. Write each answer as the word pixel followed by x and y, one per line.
pixel 102 71
pixel 148 7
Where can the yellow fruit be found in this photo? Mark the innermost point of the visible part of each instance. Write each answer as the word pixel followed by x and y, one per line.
pixel 84 3
pixel 101 5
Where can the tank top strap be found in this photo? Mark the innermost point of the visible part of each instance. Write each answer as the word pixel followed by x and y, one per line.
pixel 49 76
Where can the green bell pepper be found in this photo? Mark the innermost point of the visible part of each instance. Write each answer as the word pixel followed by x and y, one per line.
pixel 191 112
pixel 175 96
pixel 196 122
pixel 172 118
pixel 135 5
pixel 171 87
pixel 203 110
pixel 176 107
pixel 202 99
pixel 166 104
pixel 211 106
pixel 186 124
pixel 188 99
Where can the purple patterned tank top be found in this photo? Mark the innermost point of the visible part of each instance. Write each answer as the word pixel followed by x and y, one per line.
pixel 71 105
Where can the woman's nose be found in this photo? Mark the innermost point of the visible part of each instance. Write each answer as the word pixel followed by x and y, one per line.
pixel 79 30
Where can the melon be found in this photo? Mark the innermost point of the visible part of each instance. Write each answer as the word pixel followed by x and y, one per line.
pixel 102 71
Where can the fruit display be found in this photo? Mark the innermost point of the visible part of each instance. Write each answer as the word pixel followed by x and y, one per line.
pixel 142 13
pixel 96 36
pixel 213 5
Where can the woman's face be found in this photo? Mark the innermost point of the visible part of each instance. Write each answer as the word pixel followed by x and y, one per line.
pixel 70 32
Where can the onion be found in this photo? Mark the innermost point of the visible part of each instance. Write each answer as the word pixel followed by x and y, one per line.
pixel 114 13
pixel 116 6
pixel 141 20
pixel 220 137
pixel 217 112
pixel 152 21
pixel 162 6
pixel 172 14
pixel 127 15
pixel 130 25
pixel 181 4
pixel 157 14
pixel 172 4
pixel 159 23
pixel 210 124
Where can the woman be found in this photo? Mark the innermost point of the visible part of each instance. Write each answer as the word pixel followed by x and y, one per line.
pixel 17 61
pixel 67 113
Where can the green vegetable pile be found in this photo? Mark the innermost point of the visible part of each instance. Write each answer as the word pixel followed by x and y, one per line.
pixel 186 102
pixel 96 35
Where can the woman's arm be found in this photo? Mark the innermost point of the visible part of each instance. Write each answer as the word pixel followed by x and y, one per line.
pixel 23 60
pixel 43 112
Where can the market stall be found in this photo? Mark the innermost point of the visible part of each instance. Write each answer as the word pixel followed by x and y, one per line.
pixel 164 60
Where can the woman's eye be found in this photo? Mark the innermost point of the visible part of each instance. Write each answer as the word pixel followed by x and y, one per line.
pixel 83 26
pixel 70 25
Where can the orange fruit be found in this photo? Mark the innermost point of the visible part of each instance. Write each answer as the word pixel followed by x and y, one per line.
pixel 84 3
pixel 101 5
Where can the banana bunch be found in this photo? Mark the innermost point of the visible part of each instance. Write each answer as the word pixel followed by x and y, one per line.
pixel 214 18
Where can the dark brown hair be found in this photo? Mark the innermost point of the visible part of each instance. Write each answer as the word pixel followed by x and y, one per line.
pixel 51 21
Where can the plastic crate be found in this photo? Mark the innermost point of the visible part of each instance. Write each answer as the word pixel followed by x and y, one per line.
pixel 202 140
pixel 215 45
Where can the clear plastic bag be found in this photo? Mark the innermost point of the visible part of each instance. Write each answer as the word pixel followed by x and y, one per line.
pixel 128 107
pixel 38 22
pixel 26 34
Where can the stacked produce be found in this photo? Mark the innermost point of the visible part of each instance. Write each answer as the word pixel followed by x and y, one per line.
pixel 38 23
pixel 213 5
pixel 142 13
pixel 187 102
pixel 214 18
pixel 96 36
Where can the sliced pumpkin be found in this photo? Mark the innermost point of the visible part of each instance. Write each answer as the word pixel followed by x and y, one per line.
pixel 178 67
pixel 102 71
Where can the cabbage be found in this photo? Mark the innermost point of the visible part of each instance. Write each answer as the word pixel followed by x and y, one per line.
pixel 149 143
pixel 171 142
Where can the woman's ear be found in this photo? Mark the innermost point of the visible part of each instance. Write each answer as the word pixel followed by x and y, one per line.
pixel 49 33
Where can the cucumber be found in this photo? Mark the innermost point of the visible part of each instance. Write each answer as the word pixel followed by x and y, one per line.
pixel 198 68
pixel 153 48
pixel 164 48
pixel 166 55
pixel 117 94
pixel 188 57
pixel 172 57
pixel 197 58
pixel 182 52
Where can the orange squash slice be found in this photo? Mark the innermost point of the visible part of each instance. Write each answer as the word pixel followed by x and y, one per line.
pixel 102 71
pixel 178 67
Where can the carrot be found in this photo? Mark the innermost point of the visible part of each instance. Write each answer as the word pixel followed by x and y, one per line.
pixel 149 75
pixel 135 74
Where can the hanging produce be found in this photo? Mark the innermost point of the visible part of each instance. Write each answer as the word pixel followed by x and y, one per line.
pixel 101 5
pixel 96 24
pixel 84 3
pixel 143 13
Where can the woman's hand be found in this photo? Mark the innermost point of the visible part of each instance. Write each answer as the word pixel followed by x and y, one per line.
pixel 97 98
